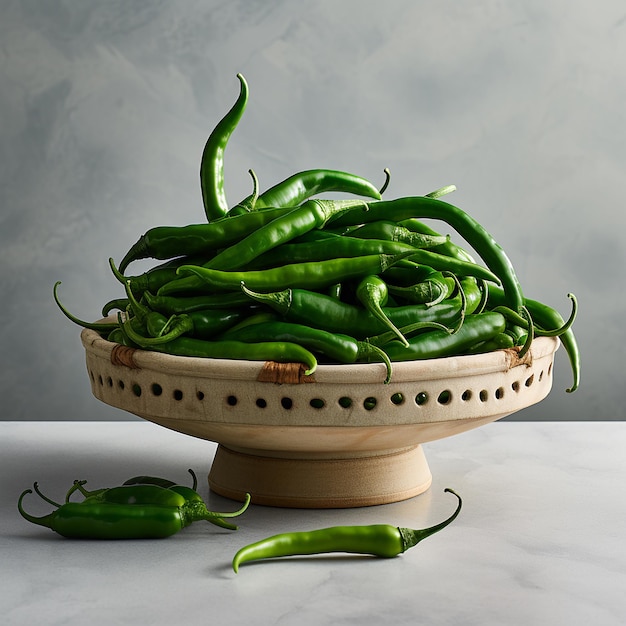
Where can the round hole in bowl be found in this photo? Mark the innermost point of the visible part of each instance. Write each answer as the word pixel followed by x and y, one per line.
pixel 286 403
pixel 397 399
pixel 466 396
pixel 530 380
pixel 120 384
pixel 317 403
pixel 261 403
pixel 178 395
pixel 421 398
pixel 345 402
pixel 483 395
pixel 499 393
pixel 369 403
pixel 109 381
pixel 515 386
pixel 231 400
pixel 100 380
pixel 137 389
pixel 156 389
pixel 200 395
pixel 445 397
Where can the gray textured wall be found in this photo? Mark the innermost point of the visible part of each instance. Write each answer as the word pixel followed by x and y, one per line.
pixel 105 108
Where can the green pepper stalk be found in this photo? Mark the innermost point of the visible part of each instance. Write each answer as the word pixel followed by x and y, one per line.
pixel 212 162
pixel 97 518
pixel 382 540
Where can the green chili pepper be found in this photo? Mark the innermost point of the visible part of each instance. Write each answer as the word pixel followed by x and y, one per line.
pixel 279 351
pixel 162 482
pixel 325 247
pixel 336 346
pixel 391 231
pixel 382 540
pixel 501 341
pixel 312 214
pixel 438 344
pixel 97 518
pixel 199 324
pixel 101 327
pixel 547 318
pixel 121 304
pixel 313 308
pixel 304 185
pixel 312 275
pixel 432 290
pixel 212 162
pixel 373 295
pixel 169 242
pixel 474 233
pixel 172 305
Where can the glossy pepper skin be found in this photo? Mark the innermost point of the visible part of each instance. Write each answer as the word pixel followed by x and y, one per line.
pixel 279 351
pixel 212 162
pixel 312 275
pixel 381 540
pixel 126 512
pixel 472 231
pixel 301 186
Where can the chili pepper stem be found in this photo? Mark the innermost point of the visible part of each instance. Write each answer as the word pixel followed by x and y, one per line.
pixel 197 511
pixel 45 520
pixel 412 537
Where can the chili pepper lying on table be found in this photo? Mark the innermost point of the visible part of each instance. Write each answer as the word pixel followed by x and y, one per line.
pixel 143 510
pixel 381 540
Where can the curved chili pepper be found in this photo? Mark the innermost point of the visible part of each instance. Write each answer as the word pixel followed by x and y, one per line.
pixel 392 231
pixel 338 347
pixel 97 518
pixel 302 219
pixel 200 324
pixel 212 162
pixel 312 275
pixel 474 233
pixel 317 309
pixel 430 291
pixel 169 242
pixel 101 327
pixel 279 351
pixel 382 540
pixel 438 344
pixel 547 318
pixel 172 305
pixel 161 482
pixel 373 295
pixel 301 186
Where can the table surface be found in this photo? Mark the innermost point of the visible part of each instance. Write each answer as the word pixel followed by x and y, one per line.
pixel 539 539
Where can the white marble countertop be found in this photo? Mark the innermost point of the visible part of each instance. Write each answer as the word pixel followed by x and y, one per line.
pixel 539 539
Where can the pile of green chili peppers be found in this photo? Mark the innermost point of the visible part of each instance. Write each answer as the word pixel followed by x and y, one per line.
pixel 143 507
pixel 288 276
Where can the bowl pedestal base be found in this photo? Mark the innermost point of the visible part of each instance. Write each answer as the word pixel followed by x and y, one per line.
pixel 322 482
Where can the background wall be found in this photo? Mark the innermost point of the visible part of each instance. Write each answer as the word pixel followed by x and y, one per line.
pixel 105 108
